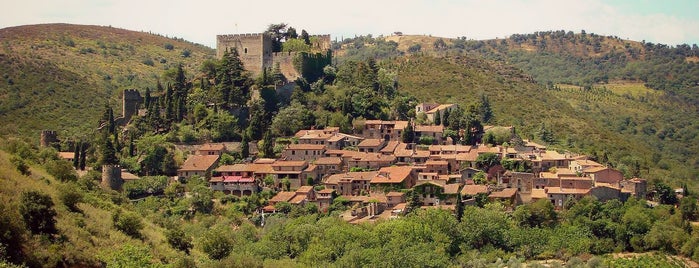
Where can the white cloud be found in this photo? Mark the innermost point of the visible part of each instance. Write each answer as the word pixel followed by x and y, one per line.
pixel 201 21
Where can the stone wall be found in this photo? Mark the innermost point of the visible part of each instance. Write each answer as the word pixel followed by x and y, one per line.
pixel 111 177
pixel 48 137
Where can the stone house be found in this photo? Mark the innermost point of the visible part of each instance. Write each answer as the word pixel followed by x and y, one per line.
pixel 430 131
pixel 386 130
pixel 398 177
pixel 350 183
pixel 371 145
pixel 211 149
pixel 604 175
pixel 197 165
pixel 303 152
pixel 292 170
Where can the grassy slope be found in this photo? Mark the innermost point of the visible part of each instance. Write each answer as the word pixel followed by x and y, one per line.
pixel 59 76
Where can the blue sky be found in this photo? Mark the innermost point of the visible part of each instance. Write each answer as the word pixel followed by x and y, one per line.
pixel 669 22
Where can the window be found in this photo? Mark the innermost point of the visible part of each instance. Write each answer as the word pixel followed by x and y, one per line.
pixel 245 50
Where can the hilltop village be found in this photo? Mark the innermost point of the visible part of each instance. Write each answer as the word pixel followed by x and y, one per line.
pixel 377 173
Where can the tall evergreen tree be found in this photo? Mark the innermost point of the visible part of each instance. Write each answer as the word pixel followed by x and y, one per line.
pixel 437 118
pixel 147 98
pixel 408 135
pixel 132 147
pixel 485 109
pixel 244 147
pixel 76 155
pixel 108 152
pixel 459 207
pixel 268 145
pixel 83 155
pixel 232 81
pixel 445 118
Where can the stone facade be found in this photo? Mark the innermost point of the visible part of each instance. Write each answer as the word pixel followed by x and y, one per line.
pixel 111 177
pixel 48 137
pixel 255 51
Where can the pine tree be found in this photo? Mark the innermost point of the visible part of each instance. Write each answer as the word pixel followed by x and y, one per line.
pixel 437 118
pixel 244 147
pixel 232 82
pixel 76 155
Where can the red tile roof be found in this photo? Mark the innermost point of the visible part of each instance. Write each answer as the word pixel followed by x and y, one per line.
pixel 305 147
pixel 328 161
pixel 474 189
pixel 393 174
pixel 505 193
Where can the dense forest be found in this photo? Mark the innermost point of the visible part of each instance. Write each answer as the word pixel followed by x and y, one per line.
pixel 51 216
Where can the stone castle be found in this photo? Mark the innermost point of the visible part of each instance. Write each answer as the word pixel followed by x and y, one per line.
pixel 256 52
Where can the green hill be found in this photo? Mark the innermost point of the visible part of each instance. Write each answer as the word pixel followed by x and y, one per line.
pixel 633 125
pixel 60 76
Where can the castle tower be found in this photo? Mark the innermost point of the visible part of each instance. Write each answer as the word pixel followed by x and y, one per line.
pixel 111 177
pixel 255 50
pixel 130 103
pixel 48 137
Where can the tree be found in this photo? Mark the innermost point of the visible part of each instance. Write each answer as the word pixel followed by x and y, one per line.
pixel 459 207
pixel 277 32
pixel 480 178
pixel 83 155
pixel 244 147
pixel 437 118
pixel 688 208
pixel 70 196
pixel 217 243
pixel 128 222
pixel 179 240
pixel 61 170
pixel 445 118
pixel 37 212
pixel 414 202
pixel 666 194
pixel 202 199
pixel 485 110
pixel 108 152
pixel 408 135
pixel 232 82
pixel 76 155
pixel 268 145
pixel 487 160
pixel 306 38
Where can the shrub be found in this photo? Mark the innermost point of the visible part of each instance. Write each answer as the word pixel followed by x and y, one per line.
pixel 62 170
pixel 217 243
pixel 169 46
pixel 148 62
pixel 70 196
pixel 179 240
pixel 128 222
pixel 38 213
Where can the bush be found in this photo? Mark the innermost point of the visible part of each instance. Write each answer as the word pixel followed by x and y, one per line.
pixel 217 243
pixel 148 62
pixel 20 165
pixel 62 170
pixel 70 196
pixel 179 240
pixel 128 222
pixel 38 213
pixel 169 46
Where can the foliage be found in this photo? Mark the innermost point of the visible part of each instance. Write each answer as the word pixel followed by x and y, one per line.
pixel 37 212
pixel 149 185
pixel 129 255
pixel 487 160
pixel 70 196
pixel 217 243
pixel 179 240
pixel 128 222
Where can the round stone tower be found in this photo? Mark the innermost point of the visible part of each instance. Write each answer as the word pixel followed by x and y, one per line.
pixel 111 177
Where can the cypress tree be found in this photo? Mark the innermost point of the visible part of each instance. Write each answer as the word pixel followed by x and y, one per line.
pixel 445 118
pixel 76 155
pixel 244 147
pixel 268 145
pixel 147 98
pixel 437 119
pixel 408 135
pixel 459 207
pixel 83 151
pixel 108 152
pixel 132 147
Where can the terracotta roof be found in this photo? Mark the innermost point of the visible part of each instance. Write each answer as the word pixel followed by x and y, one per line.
pixel 392 194
pixel 373 157
pixel 436 163
pixel 316 136
pixel 594 169
pixel 199 162
pixel 539 194
pixel 282 196
pixel 576 179
pixel 311 132
pixel 297 199
pixel 371 143
pixel 310 168
pixel 452 188
pixel 505 193
pixel 393 174
pixel 289 164
pixel 212 147
pixel 261 168
pixel 440 107
pixel 558 190
pixel 350 176
pixel 474 189
pixel 304 189
pixel 66 155
pixel 326 191
pixel 402 151
pixel 401 125
pixel 264 161
pixel 328 161
pixel 350 136
pixel 335 138
pixel 305 147
pixel 233 168
pixel 471 156
pixel 553 155
pixel 125 175
pixel 238 179
pixel 439 183
pixel 585 162
pixel 421 154
pixel 423 128
pixel 390 147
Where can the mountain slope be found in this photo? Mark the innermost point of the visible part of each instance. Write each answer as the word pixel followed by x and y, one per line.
pixel 60 76
pixel 640 130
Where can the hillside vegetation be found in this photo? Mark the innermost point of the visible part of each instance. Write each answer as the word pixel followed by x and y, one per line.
pixel 648 127
pixel 60 76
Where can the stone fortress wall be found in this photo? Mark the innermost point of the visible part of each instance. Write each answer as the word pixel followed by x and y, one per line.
pixel 255 51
